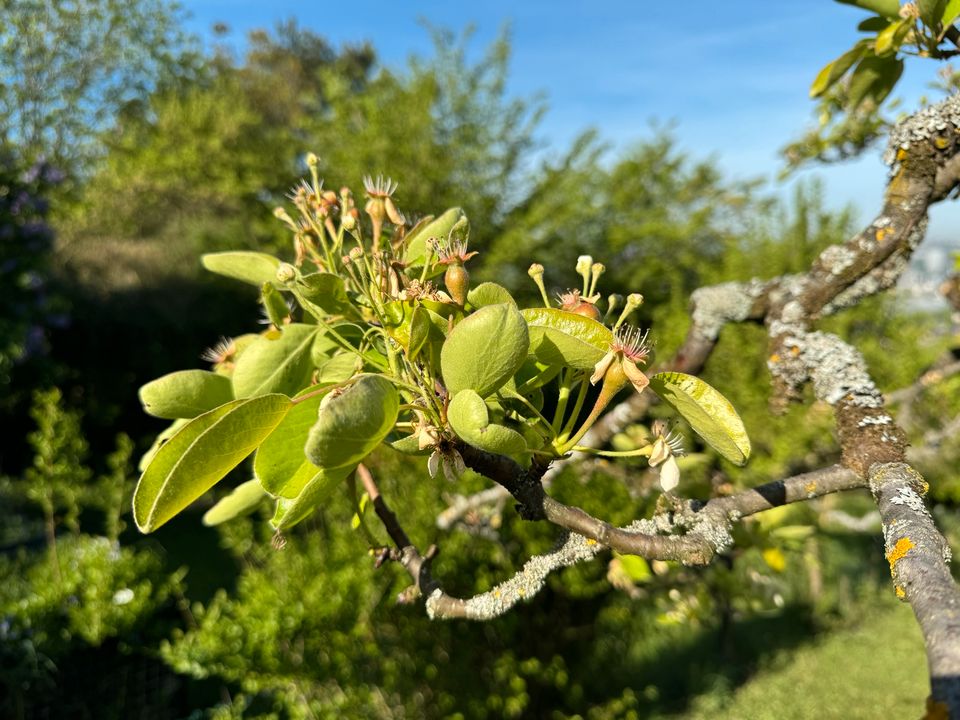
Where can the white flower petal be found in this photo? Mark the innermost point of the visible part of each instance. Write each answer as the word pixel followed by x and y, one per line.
pixel 669 474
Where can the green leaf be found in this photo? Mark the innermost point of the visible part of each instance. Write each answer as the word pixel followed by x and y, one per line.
pixel 243 499
pixel 275 304
pixel 421 328
pixel 874 78
pixel 489 293
pixel 274 364
pixel 280 463
pixel 558 337
pixel 409 445
pixel 873 24
pixel 835 70
pixel 709 413
pixel 417 240
pixel 470 419
pixel 289 512
pixel 888 41
pixel 251 267
pixel 887 8
pixel 951 11
pixel 337 369
pixel 350 425
pixel 168 433
pixel 484 350
pixel 325 290
pixel 185 394
pixel 931 12
pixel 201 454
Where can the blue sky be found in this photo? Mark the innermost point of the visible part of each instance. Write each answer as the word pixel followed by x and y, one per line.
pixel 731 76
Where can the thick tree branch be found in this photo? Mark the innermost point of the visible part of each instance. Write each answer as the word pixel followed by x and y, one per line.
pixel 919 562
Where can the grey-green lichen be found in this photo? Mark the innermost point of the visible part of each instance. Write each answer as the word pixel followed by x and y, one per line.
pixel 936 120
pixel 717 305
pixel 837 370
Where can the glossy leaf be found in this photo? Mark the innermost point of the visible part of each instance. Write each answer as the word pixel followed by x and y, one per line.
pixel 836 69
pixel 185 394
pixel 484 350
pixel 168 433
pixel 276 364
pixel 280 463
pixel 470 419
pixel 201 454
pixel 244 498
pixel 350 425
pixel 289 512
pixel 558 337
pixel 251 267
pixel 489 293
pixel 709 413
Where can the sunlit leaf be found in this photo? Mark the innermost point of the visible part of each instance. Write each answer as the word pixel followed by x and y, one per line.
pixel 350 425
pixel 835 70
pixel 709 413
pixel 562 338
pixel 243 499
pixel 470 420
pixel 280 464
pixel 276 364
pixel 201 454
pixel 289 512
pixel 168 433
pixel 325 290
pixel 489 293
pixel 251 267
pixel 417 240
pixel 484 350
pixel 888 41
pixel 185 394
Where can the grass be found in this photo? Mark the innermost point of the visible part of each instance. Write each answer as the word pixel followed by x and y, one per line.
pixel 876 669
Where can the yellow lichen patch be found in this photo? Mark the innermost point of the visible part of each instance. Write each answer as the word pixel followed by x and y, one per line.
pixel 901 155
pixel 496 594
pixel 899 550
pixel 881 234
pixel 774 358
pixel 940 143
pixel 591 541
pixel 810 488
pixel 794 351
pixel 901 593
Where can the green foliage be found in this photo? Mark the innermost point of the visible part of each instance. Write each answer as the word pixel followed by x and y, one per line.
pixel 853 89
pixel 417 360
pixel 70 67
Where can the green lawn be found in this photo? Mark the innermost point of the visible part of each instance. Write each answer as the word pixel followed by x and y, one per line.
pixel 877 669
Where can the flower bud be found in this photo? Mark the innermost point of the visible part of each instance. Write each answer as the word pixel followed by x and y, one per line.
pixel 286 273
pixel 312 160
pixel 348 221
